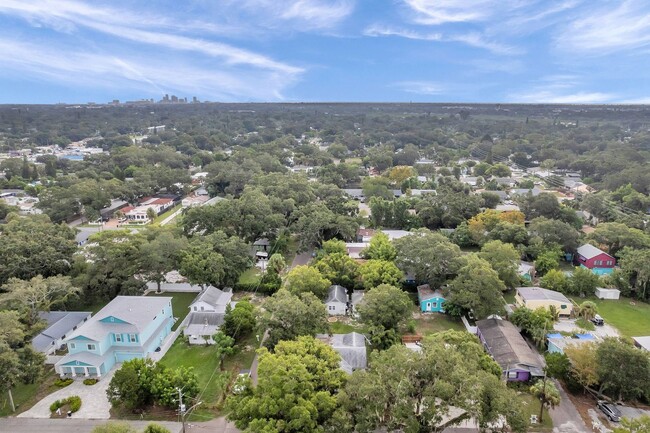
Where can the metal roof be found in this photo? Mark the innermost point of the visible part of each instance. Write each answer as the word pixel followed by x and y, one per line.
pixel 337 293
pixel 589 251
pixel 539 294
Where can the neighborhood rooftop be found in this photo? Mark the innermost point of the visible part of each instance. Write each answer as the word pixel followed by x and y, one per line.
pixel 539 294
pixel 589 251
pixel 506 345
pixel 213 296
pixel 337 293
pixel 58 323
pixel 135 319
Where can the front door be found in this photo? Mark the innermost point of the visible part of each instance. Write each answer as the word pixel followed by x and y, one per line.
pixel 428 306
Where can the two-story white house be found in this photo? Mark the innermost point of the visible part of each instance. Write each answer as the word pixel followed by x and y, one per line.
pixel 128 327
pixel 207 313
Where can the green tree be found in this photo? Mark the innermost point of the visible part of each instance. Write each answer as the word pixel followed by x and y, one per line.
pixel 151 214
pixel 558 365
pixel 224 345
pixel 10 369
pixel 12 330
pixel 631 382
pixel 296 391
pixel 635 267
pixel 546 261
pixel 552 231
pixel 276 264
pixel 161 254
pixel 557 280
pixel 34 246
pixel 37 294
pixel 584 363
pixel 303 279
pixel 398 391
pixel 31 364
pixel 202 265
pixel 636 425
pixel 616 236
pixel 477 288
pixel 239 321
pixel 380 248
pixel 583 282
pixel 339 268
pixel 548 395
pixel 430 256
pixel 588 310
pixel 504 259
pixel 386 307
pixel 376 272
pixel 287 316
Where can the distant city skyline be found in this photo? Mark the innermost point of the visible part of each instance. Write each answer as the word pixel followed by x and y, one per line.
pixel 519 51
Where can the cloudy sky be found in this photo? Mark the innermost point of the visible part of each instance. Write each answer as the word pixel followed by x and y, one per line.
pixel 565 51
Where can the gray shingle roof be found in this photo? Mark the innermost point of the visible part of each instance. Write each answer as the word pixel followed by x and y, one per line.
pixel 203 323
pixel 337 293
pixel 215 297
pixel 352 348
pixel 589 251
pixel 539 294
pixel 425 292
pixel 136 311
pixel 59 323
pixel 506 345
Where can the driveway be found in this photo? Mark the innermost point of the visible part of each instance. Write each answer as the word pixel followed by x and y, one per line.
pixel 94 403
pixel 568 325
pixel 565 416
pixel 301 259
pixel 23 425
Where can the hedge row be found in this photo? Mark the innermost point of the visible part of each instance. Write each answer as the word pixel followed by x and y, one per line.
pixel 74 403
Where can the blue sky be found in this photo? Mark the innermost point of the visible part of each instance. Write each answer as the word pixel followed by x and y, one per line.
pixel 563 51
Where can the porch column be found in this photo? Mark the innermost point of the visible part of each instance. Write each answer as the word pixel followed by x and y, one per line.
pixel 86 371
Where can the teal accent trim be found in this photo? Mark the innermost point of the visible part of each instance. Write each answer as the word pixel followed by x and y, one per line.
pixel 112 319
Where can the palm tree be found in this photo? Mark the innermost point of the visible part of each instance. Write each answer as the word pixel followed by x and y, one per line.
pixel 548 395
pixel 151 214
pixel 588 310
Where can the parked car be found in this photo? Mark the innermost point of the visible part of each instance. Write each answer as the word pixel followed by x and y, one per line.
pixel 597 320
pixel 610 410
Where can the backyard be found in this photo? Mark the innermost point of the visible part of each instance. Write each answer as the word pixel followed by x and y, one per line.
pixel 430 323
pixel 630 317
pixel 180 304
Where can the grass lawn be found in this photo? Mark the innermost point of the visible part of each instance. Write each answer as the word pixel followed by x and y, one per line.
pixel 203 359
pixel 509 296
pixel 250 276
pixel 25 396
pixel 531 407
pixel 345 328
pixel 431 323
pixel 631 318
pixel 168 212
pixel 180 304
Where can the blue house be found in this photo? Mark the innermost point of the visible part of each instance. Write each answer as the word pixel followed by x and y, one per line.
pixel 429 300
pixel 128 327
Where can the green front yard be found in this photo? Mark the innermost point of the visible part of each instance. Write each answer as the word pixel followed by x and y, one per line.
pixel 251 276
pixel 430 323
pixel 180 304
pixel 212 382
pixel 25 396
pixel 630 317
pixel 531 407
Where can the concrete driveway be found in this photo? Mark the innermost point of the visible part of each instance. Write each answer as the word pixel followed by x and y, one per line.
pixel 94 403
pixel 569 325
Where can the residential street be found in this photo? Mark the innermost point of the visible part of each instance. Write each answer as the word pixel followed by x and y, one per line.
pixel 26 425
pixel 566 417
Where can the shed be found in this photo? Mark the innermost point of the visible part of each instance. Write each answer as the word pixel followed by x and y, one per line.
pixel 603 293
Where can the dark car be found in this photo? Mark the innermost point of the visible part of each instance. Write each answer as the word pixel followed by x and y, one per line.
pixel 597 320
pixel 610 410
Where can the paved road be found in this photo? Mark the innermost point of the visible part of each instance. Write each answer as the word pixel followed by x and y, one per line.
pixel 300 259
pixel 566 417
pixel 218 425
pixel 25 425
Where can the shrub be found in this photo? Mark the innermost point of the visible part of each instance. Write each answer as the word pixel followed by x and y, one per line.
pixel 90 381
pixel 62 383
pixel 585 324
pixel 73 402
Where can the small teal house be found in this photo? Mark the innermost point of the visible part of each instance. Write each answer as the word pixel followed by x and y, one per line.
pixel 429 300
pixel 128 327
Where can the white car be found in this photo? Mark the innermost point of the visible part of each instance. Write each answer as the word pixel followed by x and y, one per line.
pixel 241 382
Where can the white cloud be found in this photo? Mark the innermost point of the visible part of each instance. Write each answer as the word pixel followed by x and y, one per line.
pixel 303 15
pixel 420 87
pixel 434 12
pixel 472 39
pixel 635 101
pixel 606 29
pixel 140 72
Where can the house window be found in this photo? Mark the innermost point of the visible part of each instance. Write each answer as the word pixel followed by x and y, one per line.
pixel 563 307
pixel 202 308
pixel 610 263
pixel 91 347
pixel 434 305
pixel 72 346
pixel 118 338
pixel 195 308
pixel 331 307
pixel 132 338
pixel 112 319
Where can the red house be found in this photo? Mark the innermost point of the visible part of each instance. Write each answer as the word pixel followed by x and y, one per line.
pixel 597 260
